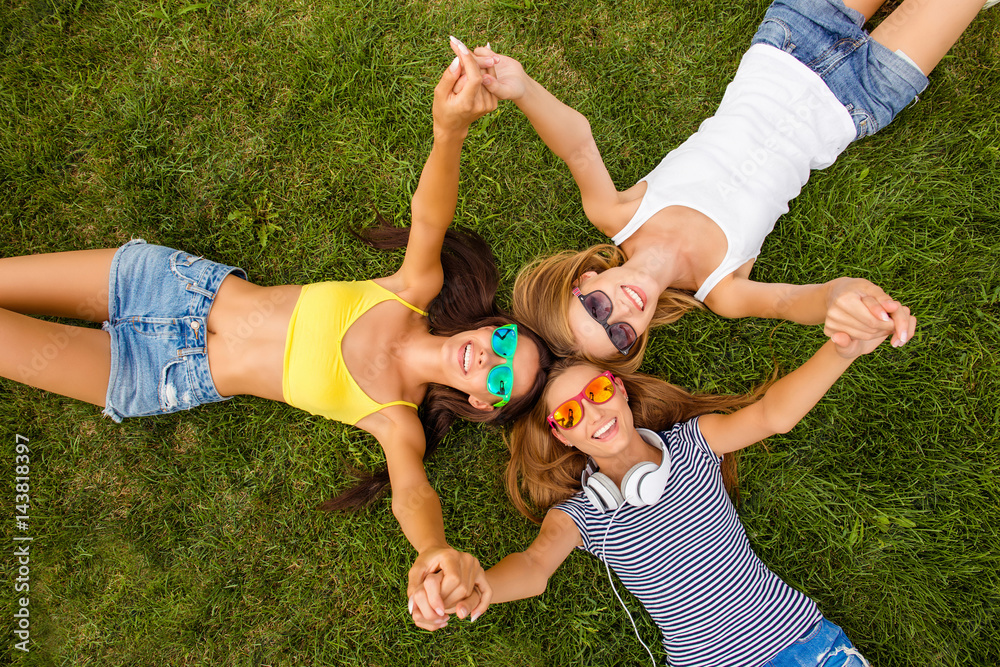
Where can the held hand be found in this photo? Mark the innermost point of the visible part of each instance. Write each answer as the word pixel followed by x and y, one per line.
pixel 471 607
pixel 860 310
pixel 506 79
pixel 485 63
pixel 420 601
pixel 455 111
pixel 462 608
pixel 444 575
pixel 854 348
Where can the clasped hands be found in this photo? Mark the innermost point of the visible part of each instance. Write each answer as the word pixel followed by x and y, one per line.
pixel 443 582
pixel 859 311
pixel 472 85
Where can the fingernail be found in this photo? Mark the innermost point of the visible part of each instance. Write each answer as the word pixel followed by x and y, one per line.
pixel 461 47
pixel 439 610
pixel 409 605
pixel 454 65
pixel 474 617
pixel 885 317
pixel 902 339
pixel 488 45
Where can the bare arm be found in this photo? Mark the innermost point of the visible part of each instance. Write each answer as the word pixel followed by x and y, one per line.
pixel 849 308
pixel 420 277
pixel 785 403
pixel 417 508
pixel 567 133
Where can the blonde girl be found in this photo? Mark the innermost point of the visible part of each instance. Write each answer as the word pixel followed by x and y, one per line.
pixel 628 468
pixel 688 233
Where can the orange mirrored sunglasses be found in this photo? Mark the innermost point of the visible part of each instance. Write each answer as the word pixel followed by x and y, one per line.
pixel 570 413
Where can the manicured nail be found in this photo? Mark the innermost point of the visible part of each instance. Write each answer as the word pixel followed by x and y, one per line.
pixel 409 606
pixel 461 47
pixel 885 317
pixel 439 610
pixel 454 65
pixel 902 339
pixel 474 617
pixel 488 46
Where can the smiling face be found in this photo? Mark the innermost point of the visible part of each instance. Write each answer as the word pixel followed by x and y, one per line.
pixel 633 299
pixel 469 357
pixel 604 429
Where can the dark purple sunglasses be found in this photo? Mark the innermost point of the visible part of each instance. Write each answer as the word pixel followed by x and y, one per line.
pixel 598 305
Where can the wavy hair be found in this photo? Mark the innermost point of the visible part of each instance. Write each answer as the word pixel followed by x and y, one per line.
pixel 543 471
pixel 467 301
pixel 542 301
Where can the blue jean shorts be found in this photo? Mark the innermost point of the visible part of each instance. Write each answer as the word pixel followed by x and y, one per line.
pixel 872 82
pixel 158 305
pixel 822 645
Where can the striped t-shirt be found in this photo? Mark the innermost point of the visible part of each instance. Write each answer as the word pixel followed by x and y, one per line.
pixel 687 559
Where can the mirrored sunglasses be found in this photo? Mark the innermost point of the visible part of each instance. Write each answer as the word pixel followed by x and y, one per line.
pixel 570 413
pixel 500 381
pixel 598 305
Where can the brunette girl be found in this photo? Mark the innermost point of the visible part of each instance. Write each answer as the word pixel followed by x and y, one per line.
pixel 180 331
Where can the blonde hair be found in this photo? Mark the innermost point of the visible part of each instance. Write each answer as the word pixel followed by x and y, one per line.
pixel 543 471
pixel 542 300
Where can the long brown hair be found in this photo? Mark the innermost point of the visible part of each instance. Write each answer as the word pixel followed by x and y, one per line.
pixel 467 301
pixel 542 301
pixel 542 471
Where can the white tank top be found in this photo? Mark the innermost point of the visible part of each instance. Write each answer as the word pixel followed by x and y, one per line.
pixel 777 121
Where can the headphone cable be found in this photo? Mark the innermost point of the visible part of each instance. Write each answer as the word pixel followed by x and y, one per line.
pixel 607 567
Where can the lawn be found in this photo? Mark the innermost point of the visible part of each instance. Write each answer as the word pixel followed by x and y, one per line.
pixel 257 132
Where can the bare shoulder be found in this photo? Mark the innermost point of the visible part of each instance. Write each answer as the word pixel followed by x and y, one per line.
pixel 416 293
pixel 396 427
pixel 613 217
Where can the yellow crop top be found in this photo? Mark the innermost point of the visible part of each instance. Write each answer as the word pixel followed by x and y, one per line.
pixel 315 377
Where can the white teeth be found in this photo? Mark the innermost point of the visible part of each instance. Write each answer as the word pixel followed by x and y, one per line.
pixel 468 356
pixel 635 297
pixel 604 429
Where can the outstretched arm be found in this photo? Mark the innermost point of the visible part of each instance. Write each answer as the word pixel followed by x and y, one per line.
pixel 417 507
pixel 848 308
pixel 518 576
pixel 786 402
pixel 566 132
pixel 420 277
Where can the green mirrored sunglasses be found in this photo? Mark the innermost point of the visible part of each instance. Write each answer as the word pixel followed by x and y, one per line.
pixel 500 381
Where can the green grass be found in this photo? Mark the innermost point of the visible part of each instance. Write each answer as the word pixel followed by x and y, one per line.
pixel 255 131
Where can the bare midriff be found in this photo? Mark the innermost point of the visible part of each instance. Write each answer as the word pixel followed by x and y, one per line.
pixel 247 327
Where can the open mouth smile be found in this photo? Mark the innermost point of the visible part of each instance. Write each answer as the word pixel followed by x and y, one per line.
pixel 604 430
pixel 637 297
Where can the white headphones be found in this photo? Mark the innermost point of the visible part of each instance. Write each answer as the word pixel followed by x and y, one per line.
pixel 642 485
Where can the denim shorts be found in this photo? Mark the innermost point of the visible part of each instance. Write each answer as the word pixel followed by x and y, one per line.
pixel 822 645
pixel 158 304
pixel 872 82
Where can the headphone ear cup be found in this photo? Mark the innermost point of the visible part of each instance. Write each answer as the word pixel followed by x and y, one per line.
pixel 632 486
pixel 603 493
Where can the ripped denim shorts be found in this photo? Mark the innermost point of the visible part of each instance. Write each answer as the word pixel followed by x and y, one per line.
pixel 872 82
pixel 822 645
pixel 158 305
